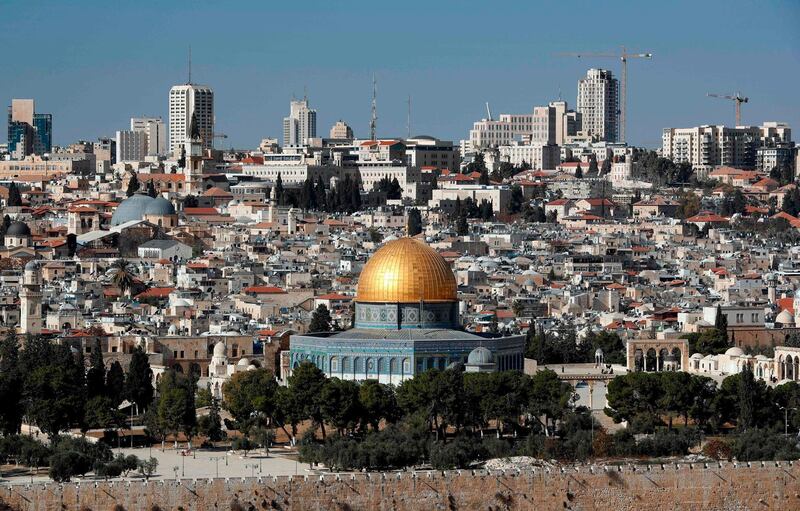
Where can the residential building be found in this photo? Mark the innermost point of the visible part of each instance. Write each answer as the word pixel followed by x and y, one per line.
pixel 598 104
pixel 537 154
pixel 706 147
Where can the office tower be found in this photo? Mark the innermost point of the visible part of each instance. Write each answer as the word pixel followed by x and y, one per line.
pixel 598 103
pixel 300 125
pixel 185 101
pixel 156 134
pixel 341 130
pixel 28 132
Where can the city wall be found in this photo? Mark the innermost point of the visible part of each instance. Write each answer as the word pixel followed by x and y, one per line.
pixel 725 486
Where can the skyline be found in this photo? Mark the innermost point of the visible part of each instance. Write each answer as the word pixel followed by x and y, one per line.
pixel 105 77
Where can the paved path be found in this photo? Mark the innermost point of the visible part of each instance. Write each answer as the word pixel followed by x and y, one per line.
pixel 199 465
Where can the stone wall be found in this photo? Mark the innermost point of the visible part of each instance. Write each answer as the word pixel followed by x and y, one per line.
pixel 699 486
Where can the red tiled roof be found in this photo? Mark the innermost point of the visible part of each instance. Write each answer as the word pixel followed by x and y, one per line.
pixel 156 292
pixel 200 211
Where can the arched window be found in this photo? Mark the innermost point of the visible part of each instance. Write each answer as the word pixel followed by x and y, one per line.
pixel 334 364
pixel 393 366
pixel 347 365
pixel 359 365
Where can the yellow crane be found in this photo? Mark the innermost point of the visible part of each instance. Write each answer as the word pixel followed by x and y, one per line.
pixel 623 56
pixel 737 98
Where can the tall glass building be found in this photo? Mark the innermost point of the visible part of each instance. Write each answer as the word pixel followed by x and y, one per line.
pixel 43 133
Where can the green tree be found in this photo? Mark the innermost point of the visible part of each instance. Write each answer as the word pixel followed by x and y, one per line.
pixel 54 386
pixel 102 413
pixel 11 383
pixel 14 197
pixel 133 185
pixel 96 375
pixel 115 383
pixel 340 404
pixel 635 398
pixel 462 227
pixel 151 189
pixel 123 275
pixel 278 193
pixel 138 381
pixel 610 343
pixel 548 397
pixel 377 402
pixel 174 408
pixel 210 425
pixel 306 384
pixel 578 171
pixel 483 179
pixel 320 319
pixel 251 397
pixel 414 222
pixel 593 168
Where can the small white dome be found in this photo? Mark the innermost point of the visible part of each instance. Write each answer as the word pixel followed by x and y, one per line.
pixel 734 352
pixel 785 318
pixel 244 362
pixel 173 330
pixel 696 356
pixel 219 349
pixel 480 355
pixel 180 302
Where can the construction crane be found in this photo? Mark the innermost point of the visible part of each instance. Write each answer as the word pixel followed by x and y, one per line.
pixel 737 98
pixel 488 111
pixel 623 55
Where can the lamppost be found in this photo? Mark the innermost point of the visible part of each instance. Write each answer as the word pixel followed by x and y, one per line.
pixel 216 463
pixel 786 417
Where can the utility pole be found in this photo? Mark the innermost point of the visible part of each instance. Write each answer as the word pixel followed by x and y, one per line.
pixel 373 122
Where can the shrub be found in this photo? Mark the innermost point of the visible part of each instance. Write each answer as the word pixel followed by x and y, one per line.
pixel 758 445
pixel 718 449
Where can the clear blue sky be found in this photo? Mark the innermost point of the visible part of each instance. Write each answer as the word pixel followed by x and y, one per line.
pixel 93 65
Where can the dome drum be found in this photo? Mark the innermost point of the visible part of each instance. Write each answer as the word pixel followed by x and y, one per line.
pixel 407 315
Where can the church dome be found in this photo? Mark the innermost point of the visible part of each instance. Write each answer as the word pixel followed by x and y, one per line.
pixel 785 318
pixel 406 271
pixel 18 229
pixel 160 207
pixel 132 208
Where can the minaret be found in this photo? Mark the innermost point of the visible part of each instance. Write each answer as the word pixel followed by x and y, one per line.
pixel 194 159
pixel 30 300
pixel 273 204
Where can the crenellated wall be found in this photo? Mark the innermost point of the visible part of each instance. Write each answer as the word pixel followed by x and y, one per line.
pixel 754 486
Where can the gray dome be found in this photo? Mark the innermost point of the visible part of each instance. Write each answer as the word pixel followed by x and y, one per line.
pixel 18 229
pixel 160 207
pixel 132 208
pixel 32 265
pixel 480 355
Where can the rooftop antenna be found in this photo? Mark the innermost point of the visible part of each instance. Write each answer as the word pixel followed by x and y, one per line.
pixel 190 64
pixel 374 120
pixel 408 120
pixel 305 93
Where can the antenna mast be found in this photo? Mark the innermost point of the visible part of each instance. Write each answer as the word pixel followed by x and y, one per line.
pixel 408 121
pixel 374 120
pixel 190 64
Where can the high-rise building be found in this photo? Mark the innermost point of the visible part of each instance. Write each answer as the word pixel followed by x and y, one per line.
pixel 28 132
pixel 341 131
pixel 300 125
pixel 598 103
pixel 185 101
pixel 131 145
pixel 156 134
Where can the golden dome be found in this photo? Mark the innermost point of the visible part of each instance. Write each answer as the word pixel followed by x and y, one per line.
pixel 407 271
